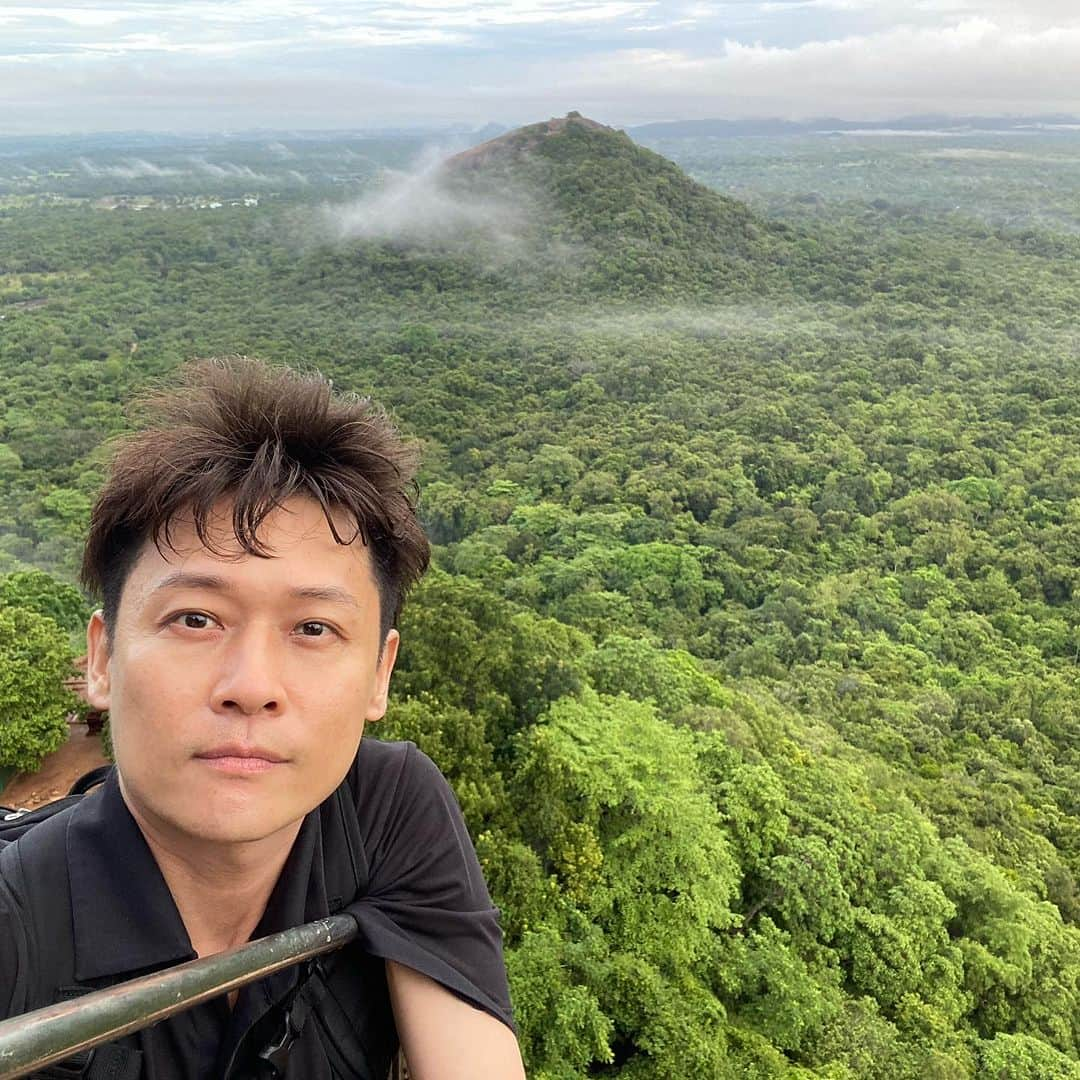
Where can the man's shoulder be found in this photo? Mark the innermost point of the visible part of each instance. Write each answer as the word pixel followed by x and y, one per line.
pixel 389 767
pixel 34 901
pixel 34 871
pixel 400 794
pixel 376 753
pixel 38 836
pixel 12 952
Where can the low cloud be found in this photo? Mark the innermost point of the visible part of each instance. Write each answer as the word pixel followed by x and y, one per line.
pixel 128 169
pixel 435 210
pixel 424 207
pixel 196 168
pixel 759 320
pixel 226 170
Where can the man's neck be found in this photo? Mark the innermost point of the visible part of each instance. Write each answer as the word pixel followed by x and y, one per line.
pixel 220 890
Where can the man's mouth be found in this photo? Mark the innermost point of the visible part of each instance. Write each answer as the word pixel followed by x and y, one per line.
pixel 240 758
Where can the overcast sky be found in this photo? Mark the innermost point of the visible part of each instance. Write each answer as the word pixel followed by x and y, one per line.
pixel 238 64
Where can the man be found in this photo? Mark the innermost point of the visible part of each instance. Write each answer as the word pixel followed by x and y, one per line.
pixel 252 546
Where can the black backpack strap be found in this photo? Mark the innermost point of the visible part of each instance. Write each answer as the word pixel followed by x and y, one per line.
pixel 273 1059
pixel 13 823
pixel 357 1046
pixel 90 780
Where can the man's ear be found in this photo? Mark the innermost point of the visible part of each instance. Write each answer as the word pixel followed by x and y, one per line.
pixel 377 705
pixel 97 663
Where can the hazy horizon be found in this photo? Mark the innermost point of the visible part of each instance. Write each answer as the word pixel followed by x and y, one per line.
pixel 957 124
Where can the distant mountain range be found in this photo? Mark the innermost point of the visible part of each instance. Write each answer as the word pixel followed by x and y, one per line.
pixel 731 128
pixel 464 133
pixel 721 128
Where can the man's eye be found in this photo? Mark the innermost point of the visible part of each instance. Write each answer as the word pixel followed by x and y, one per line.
pixel 194 620
pixel 314 628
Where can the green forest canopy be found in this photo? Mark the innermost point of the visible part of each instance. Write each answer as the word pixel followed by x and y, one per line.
pixel 752 646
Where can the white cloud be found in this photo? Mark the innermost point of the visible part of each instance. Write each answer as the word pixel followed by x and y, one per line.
pixel 652 28
pixel 782 7
pixel 975 65
pixel 350 63
pixel 214 28
pixel 130 169
pixel 161 43
pixel 493 13
pixel 1031 14
pixel 420 207
pixel 381 37
pixel 76 16
pixel 226 170
pixel 139 168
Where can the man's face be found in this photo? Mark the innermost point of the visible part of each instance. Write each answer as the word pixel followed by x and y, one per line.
pixel 238 688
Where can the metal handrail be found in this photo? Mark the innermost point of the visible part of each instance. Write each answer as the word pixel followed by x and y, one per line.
pixel 37 1039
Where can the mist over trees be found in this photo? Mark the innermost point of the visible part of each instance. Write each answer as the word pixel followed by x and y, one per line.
pixel 751 646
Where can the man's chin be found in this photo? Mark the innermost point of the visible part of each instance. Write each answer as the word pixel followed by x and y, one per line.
pixel 229 833
pixel 209 821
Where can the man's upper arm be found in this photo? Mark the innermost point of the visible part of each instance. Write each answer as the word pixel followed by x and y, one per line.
pixel 446 1038
pixel 426 907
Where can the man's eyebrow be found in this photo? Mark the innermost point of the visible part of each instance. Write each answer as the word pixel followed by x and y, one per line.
pixel 183 579
pixel 332 593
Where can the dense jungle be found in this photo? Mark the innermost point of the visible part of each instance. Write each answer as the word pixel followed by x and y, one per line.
pixel 752 467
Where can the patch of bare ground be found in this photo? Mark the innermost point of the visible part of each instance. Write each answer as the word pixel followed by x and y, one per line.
pixel 59 770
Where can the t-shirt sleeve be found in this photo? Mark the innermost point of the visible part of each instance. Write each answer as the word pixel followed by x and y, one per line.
pixel 426 905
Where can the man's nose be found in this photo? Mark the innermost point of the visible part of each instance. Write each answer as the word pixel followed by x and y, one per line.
pixel 250 677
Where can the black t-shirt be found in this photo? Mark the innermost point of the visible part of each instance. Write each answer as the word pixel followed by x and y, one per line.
pixel 424 905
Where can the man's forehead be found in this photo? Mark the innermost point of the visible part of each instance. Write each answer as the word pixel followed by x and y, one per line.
pixel 297 520
pixel 295 540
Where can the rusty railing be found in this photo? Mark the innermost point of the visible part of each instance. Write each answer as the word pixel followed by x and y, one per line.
pixel 37 1039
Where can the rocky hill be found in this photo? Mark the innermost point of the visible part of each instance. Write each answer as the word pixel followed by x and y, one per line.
pixel 649 226
pixel 514 144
